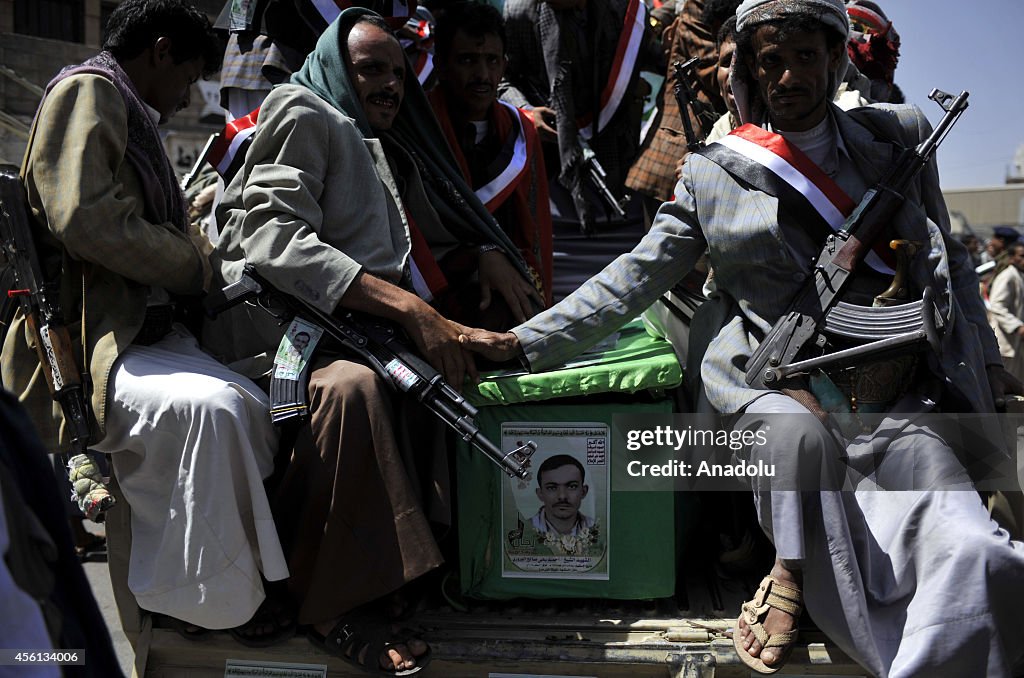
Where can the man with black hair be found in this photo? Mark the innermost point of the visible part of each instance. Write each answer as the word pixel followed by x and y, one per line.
pixel 908 583
pixel 190 441
pixel 561 488
pixel 495 144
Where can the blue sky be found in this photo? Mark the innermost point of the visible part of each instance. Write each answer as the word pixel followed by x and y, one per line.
pixel 977 45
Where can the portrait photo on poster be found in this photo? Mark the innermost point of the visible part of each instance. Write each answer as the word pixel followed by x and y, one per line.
pixel 556 525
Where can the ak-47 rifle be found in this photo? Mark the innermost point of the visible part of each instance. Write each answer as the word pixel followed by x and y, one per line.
pixel 597 176
pixel 685 97
pixel 380 346
pixel 817 307
pixel 40 304
pixel 688 292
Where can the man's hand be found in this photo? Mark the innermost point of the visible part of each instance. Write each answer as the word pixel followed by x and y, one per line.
pixel 438 340
pixel 1002 384
pixel 498 273
pixel 544 120
pixel 495 346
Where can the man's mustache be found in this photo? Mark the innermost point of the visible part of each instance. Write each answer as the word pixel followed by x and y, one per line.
pixel 788 91
pixel 388 96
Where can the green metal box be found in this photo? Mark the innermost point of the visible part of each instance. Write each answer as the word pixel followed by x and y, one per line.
pixel 576 536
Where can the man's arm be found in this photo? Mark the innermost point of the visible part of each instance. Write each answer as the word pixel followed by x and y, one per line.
pixel 281 230
pixel 963 279
pixel 73 174
pixel 523 54
pixel 613 297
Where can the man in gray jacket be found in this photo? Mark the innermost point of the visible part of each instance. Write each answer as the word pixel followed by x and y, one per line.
pixel 907 583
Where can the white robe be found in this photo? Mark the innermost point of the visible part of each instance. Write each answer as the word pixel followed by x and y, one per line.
pixel 1006 316
pixel 907 582
pixel 191 442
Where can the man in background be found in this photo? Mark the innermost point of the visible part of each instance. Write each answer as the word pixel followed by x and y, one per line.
pixel 495 144
pixel 576 64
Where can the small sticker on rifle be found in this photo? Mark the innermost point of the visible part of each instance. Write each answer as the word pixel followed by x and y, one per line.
pixel 295 349
pixel 403 376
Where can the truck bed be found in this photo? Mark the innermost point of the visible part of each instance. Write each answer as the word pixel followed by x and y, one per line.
pixel 605 639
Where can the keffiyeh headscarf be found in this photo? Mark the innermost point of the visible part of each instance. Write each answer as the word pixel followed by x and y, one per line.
pixel 755 12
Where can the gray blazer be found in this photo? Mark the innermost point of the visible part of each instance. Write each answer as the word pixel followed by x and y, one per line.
pixel 757 276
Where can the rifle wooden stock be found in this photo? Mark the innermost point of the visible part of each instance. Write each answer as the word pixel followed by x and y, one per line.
pixel 42 311
pixel 53 346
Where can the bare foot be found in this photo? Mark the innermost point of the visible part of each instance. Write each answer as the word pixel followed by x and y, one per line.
pixel 776 621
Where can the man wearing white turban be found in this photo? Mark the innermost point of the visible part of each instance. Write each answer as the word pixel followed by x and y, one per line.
pixel 908 583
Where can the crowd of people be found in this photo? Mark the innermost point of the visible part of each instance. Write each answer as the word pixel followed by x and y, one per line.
pixel 409 165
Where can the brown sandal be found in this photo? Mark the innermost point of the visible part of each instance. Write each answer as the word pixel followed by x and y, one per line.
pixel 771 593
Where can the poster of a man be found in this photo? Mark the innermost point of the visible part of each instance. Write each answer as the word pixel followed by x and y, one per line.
pixel 556 525
pixel 561 487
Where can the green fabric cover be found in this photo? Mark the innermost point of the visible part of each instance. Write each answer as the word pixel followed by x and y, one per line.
pixel 637 362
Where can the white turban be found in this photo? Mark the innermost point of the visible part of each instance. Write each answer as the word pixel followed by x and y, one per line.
pixel 751 13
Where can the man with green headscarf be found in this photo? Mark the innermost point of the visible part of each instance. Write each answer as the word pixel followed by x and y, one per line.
pixel 349 198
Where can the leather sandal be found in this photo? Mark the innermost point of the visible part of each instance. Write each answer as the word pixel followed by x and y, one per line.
pixel 771 593
pixel 358 635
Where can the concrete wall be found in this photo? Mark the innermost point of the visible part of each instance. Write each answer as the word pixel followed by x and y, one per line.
pixel 38 60
pixel 987 207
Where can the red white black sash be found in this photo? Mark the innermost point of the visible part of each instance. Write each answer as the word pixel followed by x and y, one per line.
pixel 420 50
pixel 770 163
pixel 509 167
pixel 228 153
pixel 622 67
pixel 427 278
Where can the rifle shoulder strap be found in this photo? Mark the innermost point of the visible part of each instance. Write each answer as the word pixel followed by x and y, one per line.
pixel 870 118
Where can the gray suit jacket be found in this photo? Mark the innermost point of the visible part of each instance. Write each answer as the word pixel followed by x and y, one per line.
pixel 756 275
